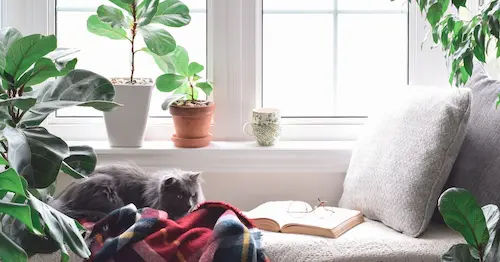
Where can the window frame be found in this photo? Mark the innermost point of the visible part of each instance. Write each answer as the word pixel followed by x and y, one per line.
pixel 234 63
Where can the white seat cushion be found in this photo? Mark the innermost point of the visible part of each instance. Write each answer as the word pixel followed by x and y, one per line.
pixel 369 241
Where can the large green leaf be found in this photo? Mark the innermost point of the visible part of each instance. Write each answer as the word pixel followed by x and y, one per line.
pixel 77 88
pixel 81 162
pixel 10 251
pixel 172 13
pixel 123 5
pixel 434 13
pixel 459 3
pixel 21 212
pixel 462 213
pixel 169 82
pixel 98 27
pixel 62 229
pixel 458 253
pixel 45 69
pixel 35 154
pixel 11 182
pixel 112 16
pixel 8 35
pixel 23 102
pixel 165 63
pixel 492 215
pixel 171 99
pixel 24 52
pixel 146 11
pixel 158 40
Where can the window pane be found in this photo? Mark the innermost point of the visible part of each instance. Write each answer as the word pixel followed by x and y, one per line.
pixel 321 62
pixel 111 57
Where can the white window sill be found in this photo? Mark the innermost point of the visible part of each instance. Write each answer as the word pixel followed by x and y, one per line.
pixel 238 156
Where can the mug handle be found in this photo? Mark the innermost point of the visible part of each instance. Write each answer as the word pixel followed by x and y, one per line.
pixel 246 130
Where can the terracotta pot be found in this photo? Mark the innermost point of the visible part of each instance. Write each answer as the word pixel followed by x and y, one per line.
pixel 192 125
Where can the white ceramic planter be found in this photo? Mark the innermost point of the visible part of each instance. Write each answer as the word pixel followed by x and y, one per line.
pixel 126 125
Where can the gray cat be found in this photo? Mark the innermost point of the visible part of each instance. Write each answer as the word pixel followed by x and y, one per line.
pixel 175 191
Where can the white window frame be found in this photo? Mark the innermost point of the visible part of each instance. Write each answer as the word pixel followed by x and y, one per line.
pixel 234 63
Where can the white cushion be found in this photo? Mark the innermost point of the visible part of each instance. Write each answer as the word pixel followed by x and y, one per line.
pixel 369 241
pixel 401 164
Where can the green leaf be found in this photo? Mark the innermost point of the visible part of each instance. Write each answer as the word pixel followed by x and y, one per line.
pixel 444 4
pixel 21 212
pixel 458 253
pixel 35 154
pixel 81 162
pixel 10 251
pixel 23 102
pixel 98 27
pixel 158 40
pixel 459 3
pixel 462 213
pixel 169 82
pixel 172 13
pixel 422 4
pixel 64 230
pixel 172 99
pixel 468 64
pixel 146 11
pixel 165 63
pixel 206 87
pixel 24 52
pixel 8 35
pixel 479 54
pixel 492 215
pixel 45 69
pixel 111 15
pixel 77 88
pixel 11 182
pixel 3 161
pixel 434 13
pixel 125 5
pixel 194 68
pixel 181 61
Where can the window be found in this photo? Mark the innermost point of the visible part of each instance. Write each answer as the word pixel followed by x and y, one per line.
pixel 330 58
pixel 110 58
pixel 322 62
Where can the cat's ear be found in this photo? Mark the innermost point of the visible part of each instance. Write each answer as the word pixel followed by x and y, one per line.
pixel 194 175
pixel 168 182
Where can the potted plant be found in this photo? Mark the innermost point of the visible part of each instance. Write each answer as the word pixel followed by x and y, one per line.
pixel 30 156
pixel 192 116
pixel 126 21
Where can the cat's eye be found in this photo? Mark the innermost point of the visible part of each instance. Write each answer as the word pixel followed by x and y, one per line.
pixel 179 196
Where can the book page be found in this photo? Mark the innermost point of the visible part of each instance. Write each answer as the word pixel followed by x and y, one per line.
pixel 276 210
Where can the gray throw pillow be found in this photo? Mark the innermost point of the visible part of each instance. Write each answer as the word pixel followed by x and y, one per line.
pixel 401 164
pixel 477 167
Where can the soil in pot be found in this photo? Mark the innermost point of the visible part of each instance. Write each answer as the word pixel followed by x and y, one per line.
pixel 192 121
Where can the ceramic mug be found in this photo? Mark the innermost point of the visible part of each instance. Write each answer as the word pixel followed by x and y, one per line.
pixel 265 126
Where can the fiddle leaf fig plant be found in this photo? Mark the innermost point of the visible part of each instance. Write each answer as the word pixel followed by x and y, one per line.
pixel 463 39
pixel 477 225
pixel 181 77
pixel 126 19
pixel 36 80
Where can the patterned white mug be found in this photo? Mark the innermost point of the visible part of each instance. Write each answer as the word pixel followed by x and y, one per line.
pixel 265 126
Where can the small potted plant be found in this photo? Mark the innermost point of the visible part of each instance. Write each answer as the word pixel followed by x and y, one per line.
pixel 192 115
pixel 125 21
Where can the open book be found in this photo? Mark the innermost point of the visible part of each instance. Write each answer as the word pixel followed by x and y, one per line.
pixel 289 217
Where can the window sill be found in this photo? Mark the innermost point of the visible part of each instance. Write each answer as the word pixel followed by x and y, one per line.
pixel 238 156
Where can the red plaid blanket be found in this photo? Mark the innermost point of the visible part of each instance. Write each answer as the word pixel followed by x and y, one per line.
pixel 213 232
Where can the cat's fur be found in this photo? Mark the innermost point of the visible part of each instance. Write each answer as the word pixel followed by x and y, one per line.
pixel 110 187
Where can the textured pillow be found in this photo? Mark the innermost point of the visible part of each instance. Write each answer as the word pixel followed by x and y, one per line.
pixel 477 167
pixel 401 164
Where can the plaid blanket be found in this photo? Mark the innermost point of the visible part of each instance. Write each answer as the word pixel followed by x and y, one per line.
pixel 213 232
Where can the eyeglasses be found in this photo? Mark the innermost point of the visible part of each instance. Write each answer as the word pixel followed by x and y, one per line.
pixel 300 209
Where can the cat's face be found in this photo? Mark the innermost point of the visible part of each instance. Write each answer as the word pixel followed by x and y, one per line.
pixel 180 193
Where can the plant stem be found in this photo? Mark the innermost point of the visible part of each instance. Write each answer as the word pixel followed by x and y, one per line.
pixel 132 41
pixel 192 90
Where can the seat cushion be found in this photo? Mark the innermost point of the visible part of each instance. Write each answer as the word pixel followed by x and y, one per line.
pixel 403 160
pixel 369 241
